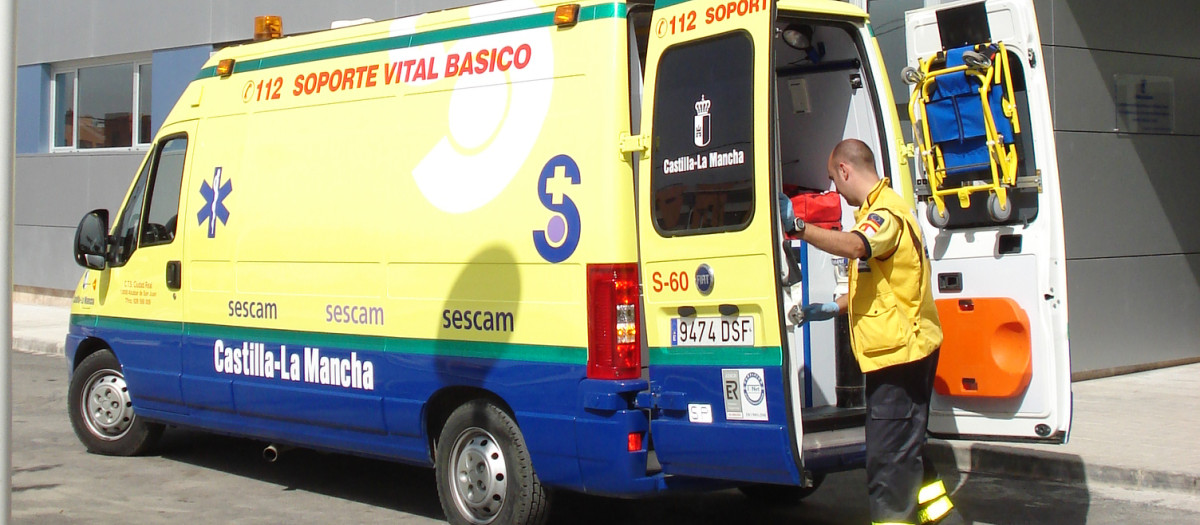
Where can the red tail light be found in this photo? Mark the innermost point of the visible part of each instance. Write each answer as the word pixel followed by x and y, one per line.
pixel 614 345
pixel 635 441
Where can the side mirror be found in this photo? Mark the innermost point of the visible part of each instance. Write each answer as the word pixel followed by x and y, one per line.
pixel 91 240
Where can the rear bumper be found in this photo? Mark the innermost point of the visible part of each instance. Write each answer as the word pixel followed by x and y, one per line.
pixel 607 465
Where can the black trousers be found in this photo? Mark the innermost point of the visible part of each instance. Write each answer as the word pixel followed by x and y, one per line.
pixel 897 418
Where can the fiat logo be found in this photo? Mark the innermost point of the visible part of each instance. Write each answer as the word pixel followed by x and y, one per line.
pixel 704 279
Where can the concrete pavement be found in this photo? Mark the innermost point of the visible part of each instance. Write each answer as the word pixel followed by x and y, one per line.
pixel 1137 430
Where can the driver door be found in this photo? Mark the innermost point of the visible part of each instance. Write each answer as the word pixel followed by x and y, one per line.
pixel 142 286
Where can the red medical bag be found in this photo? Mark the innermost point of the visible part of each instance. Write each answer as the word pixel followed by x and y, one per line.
pixel 822 209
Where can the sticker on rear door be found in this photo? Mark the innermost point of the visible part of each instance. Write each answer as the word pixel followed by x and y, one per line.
pixel 745 394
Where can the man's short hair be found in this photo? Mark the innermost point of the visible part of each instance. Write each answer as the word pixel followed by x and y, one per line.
pixel 854 152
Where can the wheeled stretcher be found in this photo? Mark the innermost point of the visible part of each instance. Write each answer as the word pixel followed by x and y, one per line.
pixel 965 121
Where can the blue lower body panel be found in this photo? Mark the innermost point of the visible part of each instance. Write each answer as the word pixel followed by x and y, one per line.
pixel 373 402
pixel 725 448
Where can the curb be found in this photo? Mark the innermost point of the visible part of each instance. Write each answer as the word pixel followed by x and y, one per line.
pixel 987 458
pixel 33 345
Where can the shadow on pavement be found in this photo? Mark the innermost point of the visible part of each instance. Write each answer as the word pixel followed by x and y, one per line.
pixel 372 482
pixel 1047 483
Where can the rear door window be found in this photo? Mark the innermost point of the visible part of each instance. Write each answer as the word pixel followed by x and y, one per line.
pixel 702 145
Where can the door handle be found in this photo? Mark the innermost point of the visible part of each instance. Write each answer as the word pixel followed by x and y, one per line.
pixel 174 274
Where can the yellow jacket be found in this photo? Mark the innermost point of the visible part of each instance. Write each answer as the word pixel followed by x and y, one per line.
pixel 893 319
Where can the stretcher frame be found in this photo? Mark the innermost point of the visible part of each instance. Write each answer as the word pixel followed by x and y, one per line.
pixel 1002 157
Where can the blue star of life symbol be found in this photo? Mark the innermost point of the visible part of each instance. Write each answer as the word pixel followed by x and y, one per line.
pixel 214 202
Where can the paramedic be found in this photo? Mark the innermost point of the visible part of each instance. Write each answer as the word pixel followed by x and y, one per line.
pixel 895 335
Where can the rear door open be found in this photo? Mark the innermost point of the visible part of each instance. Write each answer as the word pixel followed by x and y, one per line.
pixel 989 203
pixel 709 233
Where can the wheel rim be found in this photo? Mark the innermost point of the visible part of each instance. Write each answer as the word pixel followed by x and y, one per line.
pixel 998 213
pixel 107 409
pixel 937 217
pixel 479 476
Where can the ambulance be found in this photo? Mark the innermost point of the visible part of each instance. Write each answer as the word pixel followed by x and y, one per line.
pixel 537 246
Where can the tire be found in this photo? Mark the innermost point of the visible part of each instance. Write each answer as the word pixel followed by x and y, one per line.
pixel 484 473
pixel 101 412
pixel 777 495
pixel 996 212
pixel 976 60
pixel 938 218
pixel 911 75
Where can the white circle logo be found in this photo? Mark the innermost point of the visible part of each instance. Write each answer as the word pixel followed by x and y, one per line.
pixel 753 389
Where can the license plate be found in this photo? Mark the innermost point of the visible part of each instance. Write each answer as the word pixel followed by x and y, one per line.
pixel 712 331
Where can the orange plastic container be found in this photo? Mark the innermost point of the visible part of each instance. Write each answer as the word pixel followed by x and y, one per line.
pixel 986 348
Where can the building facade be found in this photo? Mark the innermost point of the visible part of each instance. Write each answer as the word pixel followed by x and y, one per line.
pixel 96 79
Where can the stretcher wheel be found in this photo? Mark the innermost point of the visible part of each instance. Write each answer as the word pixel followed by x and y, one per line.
pixel 938 217
pixel 996 212
pixel 976 60
pixel 911 75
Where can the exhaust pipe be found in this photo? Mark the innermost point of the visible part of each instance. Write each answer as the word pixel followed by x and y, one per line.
pixel 272 452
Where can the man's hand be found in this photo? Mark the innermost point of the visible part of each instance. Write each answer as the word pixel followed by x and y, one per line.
pixel 821 311
pixel 787 214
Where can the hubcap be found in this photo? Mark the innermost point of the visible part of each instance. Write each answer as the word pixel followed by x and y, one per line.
pixel 480 476
pixel 107 408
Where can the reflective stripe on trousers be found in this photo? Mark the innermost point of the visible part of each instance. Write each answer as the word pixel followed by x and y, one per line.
pixel 932 502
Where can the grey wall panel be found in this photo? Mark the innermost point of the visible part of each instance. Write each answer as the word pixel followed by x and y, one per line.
pixel 1047 58
pixel 42 257
pixel 1045 20
pixel 1126 195
pixel 127 26
pixel 1133 310
pixel 53 30
pixel 53 192
pixel 887 21
pixel 56 190
pixel 1160 27
pixel 410 7
pixel 234 19
pixel 1085 78
pixel 103 28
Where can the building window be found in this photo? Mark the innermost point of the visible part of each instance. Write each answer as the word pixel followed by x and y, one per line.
pixel 103 106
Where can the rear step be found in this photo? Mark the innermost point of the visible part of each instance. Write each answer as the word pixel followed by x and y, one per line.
pixel 821 419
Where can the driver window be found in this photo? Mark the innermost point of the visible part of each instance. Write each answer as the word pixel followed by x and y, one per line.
pixel 125 232
pixel 160 222
pixel 150 223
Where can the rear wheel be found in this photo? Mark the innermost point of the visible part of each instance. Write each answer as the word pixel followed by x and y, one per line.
pixel 101 410
pixel 484 472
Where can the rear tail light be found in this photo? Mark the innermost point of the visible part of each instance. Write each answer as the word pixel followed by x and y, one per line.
pixel 614 345
pixel 635 442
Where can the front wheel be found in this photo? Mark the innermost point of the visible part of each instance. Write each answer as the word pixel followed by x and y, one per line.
pixel 101 410
pixel 484 473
